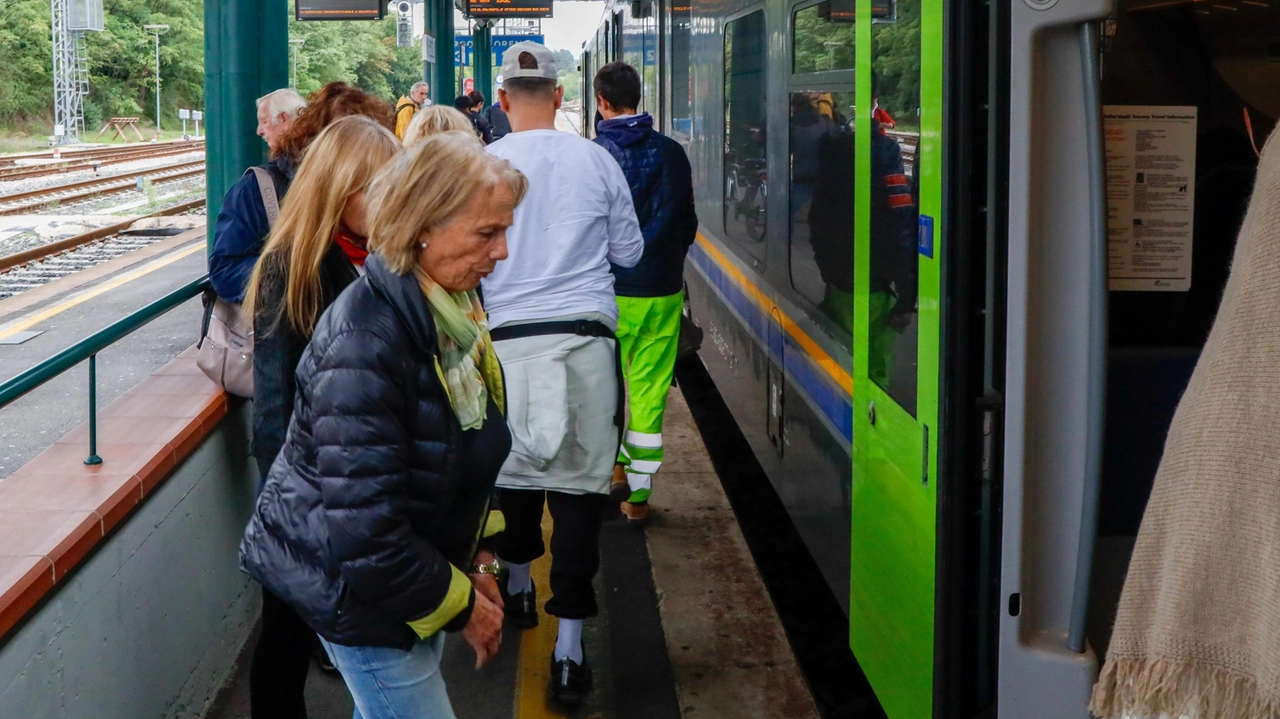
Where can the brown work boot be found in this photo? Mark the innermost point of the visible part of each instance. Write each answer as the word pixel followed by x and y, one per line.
pixel 619 490
pixel 637 513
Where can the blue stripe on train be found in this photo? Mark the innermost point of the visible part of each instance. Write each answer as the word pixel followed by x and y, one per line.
pixel 797 362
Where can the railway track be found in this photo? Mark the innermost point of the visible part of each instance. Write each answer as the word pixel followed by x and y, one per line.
pixel 72 191
pixel 24 270
pixel 100 153
pixel 26 172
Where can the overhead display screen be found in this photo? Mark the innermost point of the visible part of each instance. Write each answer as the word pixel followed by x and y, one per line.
pixel 341 9
pixel 509 8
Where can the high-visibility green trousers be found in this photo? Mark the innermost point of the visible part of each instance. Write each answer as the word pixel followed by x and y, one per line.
pixel 649 333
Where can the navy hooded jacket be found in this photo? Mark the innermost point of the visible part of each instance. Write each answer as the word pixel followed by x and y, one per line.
pixel 661 182
pixel 241 231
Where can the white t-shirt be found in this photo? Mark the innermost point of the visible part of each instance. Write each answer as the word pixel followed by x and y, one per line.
pixel 576 218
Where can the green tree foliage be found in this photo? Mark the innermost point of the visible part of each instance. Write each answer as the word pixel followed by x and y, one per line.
pixel 360 53
pixel 822 42
pixel 895 64
pixel 26 84
pixel 122 60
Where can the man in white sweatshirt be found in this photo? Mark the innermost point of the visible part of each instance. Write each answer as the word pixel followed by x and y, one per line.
pixel 554 314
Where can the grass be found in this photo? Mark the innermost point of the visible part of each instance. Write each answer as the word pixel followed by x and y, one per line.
pixel 34 138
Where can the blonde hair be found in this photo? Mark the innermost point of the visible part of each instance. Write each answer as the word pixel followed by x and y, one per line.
pixel 340 163
pixel 433 120
pixel 425 187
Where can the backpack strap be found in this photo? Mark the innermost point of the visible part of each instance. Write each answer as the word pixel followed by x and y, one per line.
pixel 267 186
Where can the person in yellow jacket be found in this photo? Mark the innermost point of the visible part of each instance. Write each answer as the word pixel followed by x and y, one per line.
pixel 409 104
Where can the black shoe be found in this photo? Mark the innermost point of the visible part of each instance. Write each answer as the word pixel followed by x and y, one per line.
pixel 520 609
pixel 323 661
pixel 570 681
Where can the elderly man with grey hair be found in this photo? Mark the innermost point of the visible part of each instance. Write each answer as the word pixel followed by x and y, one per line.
pixel 410 104
pixel 276 111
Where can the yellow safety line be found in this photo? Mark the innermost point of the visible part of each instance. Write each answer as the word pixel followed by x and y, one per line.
pixel 41 316
pixel 824 360
pixel 533 672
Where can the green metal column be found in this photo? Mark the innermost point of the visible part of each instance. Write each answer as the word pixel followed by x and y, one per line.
pixel 439 14
pixel 482 59
pixel 246 55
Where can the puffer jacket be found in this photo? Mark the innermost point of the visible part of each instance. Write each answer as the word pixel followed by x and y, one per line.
pixel 661 182
pixel 378 496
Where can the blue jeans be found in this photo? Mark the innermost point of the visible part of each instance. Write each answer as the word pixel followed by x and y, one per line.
pixel 392 683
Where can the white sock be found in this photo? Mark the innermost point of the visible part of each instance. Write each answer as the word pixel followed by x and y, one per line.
pixel 569 640
pixel 519 582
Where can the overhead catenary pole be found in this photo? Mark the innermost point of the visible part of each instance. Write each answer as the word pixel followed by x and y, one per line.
pixel 157 30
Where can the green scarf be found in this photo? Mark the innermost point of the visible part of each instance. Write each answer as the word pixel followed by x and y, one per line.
pixel 467 364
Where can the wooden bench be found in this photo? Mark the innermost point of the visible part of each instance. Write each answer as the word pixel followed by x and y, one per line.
pixel 121 124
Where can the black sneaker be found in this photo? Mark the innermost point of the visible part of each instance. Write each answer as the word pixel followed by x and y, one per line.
pixel 570 681
pixel 520 609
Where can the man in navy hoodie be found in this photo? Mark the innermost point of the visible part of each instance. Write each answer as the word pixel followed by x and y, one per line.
pixel 651 294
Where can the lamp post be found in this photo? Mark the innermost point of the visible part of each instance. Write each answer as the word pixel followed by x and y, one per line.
pixel 294 45
pixel 157 30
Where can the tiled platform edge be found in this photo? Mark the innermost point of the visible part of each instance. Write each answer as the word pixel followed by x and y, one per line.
pixel 119 592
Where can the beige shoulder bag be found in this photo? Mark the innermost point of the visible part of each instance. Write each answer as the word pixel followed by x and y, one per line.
pixel 225 350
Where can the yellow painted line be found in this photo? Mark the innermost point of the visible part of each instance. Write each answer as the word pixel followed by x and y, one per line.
pixel 55 310
pixel 533 672
pixel 819 355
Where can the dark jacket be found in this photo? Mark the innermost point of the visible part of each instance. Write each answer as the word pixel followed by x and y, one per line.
pixel 482 126
pixel 497 120
pixel 278 348
pixel 242 230
pixel 377 490
pixel 661 182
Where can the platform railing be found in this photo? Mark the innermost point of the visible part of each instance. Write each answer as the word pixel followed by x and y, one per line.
pixel 88 348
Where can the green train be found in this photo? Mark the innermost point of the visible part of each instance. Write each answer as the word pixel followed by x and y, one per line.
pixel 957 261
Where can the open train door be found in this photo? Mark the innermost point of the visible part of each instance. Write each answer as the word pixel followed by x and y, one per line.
pixel 896 338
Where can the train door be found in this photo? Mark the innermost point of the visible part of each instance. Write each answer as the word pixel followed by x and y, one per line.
pixel 1123 216
pixel 895 336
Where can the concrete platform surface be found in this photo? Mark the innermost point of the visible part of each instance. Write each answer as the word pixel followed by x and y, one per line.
pixel 686 626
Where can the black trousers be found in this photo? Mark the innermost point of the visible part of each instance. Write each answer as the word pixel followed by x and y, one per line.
pixel 575 543
pixel 278 675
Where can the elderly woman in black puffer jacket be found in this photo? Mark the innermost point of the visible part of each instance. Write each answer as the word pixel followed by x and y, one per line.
pixel 375 515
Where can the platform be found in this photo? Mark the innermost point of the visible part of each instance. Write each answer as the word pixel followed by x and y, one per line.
pixel 686 628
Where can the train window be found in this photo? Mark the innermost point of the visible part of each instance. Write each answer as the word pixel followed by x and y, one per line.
pixel 894 262
pixel 824 37
pixel 681 25
pixel 745 187
pixel 821 202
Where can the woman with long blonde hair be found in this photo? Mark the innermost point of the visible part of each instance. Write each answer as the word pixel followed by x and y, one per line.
pixel 316 249
pixel 433 120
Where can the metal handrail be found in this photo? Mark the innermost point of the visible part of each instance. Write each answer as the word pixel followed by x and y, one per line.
pixel 88 348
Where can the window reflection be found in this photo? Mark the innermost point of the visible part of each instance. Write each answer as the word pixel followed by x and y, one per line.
pixel 681 120
pixel 745 183
pixel 821 201
pixel 824 37
pixel 894 264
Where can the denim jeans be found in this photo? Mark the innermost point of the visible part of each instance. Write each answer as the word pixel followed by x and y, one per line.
pixel 392 683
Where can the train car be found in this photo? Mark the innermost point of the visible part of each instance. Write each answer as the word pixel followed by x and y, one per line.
pixel 956 263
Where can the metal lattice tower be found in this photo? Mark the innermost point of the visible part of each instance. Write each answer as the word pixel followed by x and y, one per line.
pixel 70 74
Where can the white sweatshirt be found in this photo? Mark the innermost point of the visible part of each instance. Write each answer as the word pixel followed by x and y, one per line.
pixel 576 218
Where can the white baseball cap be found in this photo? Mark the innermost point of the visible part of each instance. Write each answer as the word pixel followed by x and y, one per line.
pixel 537 62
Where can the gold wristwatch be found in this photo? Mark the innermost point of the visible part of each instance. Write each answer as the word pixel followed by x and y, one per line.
pixel 490 568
